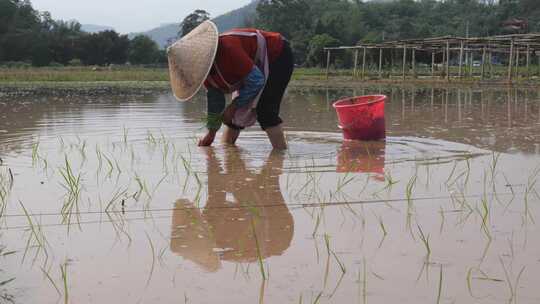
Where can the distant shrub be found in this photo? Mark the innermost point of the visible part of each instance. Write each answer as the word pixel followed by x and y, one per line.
pixel 16 64
pixel 75 62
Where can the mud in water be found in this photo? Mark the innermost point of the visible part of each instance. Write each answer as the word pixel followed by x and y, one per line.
pixel 108 199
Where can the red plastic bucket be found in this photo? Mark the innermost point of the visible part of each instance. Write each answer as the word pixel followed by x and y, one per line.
pixel 362 117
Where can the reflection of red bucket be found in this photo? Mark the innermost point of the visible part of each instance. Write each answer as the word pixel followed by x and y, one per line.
pixel 362 118
pixel 362 157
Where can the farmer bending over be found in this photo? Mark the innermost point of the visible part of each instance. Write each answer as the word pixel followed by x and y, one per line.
pixel 253 65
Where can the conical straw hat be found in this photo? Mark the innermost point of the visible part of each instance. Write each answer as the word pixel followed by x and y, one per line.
pixel 191 58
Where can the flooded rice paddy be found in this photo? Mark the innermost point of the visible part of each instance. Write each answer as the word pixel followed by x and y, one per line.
pixel 108 199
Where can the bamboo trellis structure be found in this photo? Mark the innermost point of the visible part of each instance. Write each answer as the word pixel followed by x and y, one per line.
pixel 510 47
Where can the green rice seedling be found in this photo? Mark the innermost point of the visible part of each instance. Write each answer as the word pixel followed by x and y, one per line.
pixel 316 245
pixel 364 282
pixel 439 293
pixel 529 188
pixel 64 272
pixel 469 282
pixel 512 287
pixel 486 250
pixel 428 176
pixel 457 179
pixel 154 190
pixel 326 268
pixel 485 217
pixel 153 259
pixel 259 253
pixel 331 252
pixel 6 184
pixel 110 164
pixel 142 188
pixel 50 279
pixel 382 226
pixel 318 298
pixel 468 171
pixel 425 241
pixel 132 156
pixel 82 150
pixel 35 234
pixel 452 172
pixel 73 186
pixel 151 139
pixel 116 196
pixel 125 136
pixel 342 182
pixel 410 187
pixel 494 162
pixel 483 277
pixel 117 166
pixel 35 152
pixel 317 223
pixel 262 292
pixel 443 219
pixel 340 280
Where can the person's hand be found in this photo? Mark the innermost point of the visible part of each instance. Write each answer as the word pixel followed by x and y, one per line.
pixel 228 114
pixel 208 139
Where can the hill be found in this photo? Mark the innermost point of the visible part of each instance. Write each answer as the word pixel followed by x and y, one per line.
pixel 93 28
pixel 232 19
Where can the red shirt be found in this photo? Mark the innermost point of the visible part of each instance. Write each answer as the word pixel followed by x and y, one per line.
pixel 236 54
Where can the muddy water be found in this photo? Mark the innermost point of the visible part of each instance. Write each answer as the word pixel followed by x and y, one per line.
pixel 108 200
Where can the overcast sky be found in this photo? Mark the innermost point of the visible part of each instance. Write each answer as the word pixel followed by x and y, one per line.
pixel 132 15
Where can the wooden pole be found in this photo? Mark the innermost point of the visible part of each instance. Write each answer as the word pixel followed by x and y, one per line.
pixel 364 64
pixel 448 60
pixel 443 63
pixel 404 59
pixel 432 64
pixel 414 62
pixel 392 62
pixel 471 58
pixel 483 63
pixel 380 62
pixel 517 62
pixel 461 58
pixel 355 73
pixel 327 64
pixel 510 60
pixel 528 61
pixel 490 56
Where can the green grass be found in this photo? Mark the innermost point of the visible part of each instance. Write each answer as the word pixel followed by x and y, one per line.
pixel 160 76
pixel 83 74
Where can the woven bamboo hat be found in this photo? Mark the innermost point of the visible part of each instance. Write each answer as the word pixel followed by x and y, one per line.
pixel 191 58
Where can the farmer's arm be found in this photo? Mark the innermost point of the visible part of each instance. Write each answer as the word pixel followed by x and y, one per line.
pixel 253 85
pixel 216 104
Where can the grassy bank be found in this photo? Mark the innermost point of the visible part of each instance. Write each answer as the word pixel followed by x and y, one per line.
pixel 138 78
pixel 82 74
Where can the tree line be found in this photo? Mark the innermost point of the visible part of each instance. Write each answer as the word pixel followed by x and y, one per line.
pixel 27 35
pixel 311 25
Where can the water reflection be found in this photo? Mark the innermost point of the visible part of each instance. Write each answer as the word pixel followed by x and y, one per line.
pixel 498 119
pixel 240 200
pixel 362 157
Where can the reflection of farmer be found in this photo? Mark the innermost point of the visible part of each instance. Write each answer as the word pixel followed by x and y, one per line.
pixel 365 157
pixel 224 229
pixel 254 66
